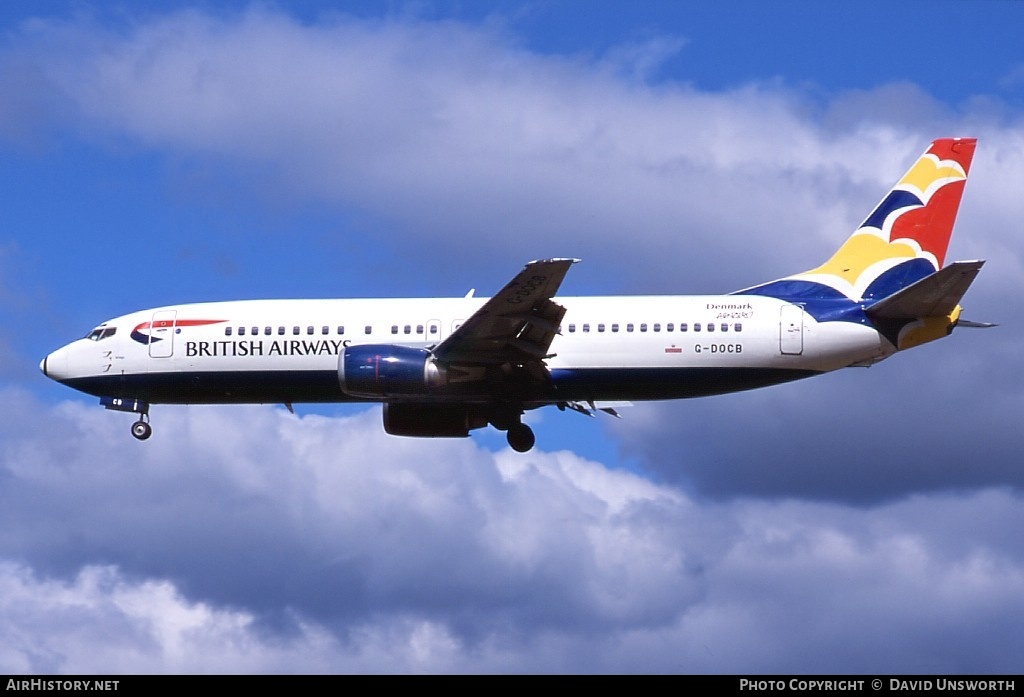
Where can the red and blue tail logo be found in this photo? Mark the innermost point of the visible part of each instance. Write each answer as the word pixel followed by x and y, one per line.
pixel 903 240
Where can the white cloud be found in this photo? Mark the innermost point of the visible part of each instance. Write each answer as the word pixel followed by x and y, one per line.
pixel 101 621
pixel 248 540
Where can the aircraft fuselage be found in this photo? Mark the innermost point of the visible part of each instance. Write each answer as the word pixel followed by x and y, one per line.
pixel 608 348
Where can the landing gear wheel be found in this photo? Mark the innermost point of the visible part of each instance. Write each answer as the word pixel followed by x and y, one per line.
pixel 142 430
pixel 521 438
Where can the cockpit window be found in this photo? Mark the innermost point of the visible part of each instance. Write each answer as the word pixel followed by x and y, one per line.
pixel 100 333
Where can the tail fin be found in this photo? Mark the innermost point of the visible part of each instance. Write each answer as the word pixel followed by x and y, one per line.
pixel 890 271
pixel 905 238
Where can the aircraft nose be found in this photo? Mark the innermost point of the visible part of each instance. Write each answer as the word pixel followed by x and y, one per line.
pixel 55 365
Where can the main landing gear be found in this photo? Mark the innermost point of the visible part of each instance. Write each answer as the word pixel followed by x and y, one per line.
pixel 520 437
pixel 508 417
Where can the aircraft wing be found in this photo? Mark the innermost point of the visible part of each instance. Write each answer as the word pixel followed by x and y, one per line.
pixel 517 325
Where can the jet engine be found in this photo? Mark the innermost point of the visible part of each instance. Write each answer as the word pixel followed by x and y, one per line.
pixel 432 420
pixel 383 370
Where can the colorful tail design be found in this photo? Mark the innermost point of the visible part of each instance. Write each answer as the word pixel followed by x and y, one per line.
pixel 902 241
pixel 905 238
pixel 890 273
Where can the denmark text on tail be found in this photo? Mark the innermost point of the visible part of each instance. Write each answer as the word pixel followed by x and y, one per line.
pixel 446 366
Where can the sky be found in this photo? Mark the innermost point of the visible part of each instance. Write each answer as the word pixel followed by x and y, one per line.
pixel 866 521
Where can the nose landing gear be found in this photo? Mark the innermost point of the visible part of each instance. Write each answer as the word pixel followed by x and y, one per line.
pixel 141 428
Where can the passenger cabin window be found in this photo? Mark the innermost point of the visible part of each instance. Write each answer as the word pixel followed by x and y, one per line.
pixel 738 327
pixel 629 327
pixel 572 328
pixel 280 331
pixel 643 327
pixel 369 329
pixel 325 330
pixel 669 327
pixel 309 329
pixel 615 327
pixel 394 328
pixel 696 326
pixel 600 327
pixel 267 330
pixel 586 328
pixel 657 327
pixel 407 329
pixel 255 331
pixel 341 329
pixel 227 331
pixel 725 327
pixel 296 330
pixel 711 326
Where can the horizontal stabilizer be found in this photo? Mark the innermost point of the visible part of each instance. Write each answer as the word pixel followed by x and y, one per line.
pixel 936 295
pixel 975 325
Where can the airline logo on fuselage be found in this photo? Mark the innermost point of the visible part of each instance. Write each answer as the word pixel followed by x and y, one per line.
pixel 143 332
pixel 259 347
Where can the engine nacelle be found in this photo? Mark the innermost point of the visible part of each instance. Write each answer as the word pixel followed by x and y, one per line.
pixel 432 420
pixel 386 370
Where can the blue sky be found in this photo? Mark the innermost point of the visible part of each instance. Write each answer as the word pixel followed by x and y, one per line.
pixel 864 521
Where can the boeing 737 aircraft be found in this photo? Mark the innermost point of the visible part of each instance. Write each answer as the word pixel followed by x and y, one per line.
pixel 445 366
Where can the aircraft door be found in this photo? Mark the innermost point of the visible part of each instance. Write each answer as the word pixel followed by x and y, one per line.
pixel 434 331
pixel 791 330
pixel 161 334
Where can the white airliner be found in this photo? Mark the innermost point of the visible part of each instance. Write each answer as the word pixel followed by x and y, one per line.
pixel 446 366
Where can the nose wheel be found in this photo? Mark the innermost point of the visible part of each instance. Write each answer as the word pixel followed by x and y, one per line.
pixel 141 428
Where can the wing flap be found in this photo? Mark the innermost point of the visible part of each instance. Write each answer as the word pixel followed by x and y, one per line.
pixel 588 408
